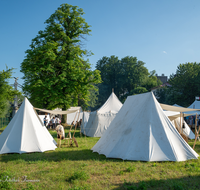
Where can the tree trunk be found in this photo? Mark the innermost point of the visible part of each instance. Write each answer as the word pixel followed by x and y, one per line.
pixel 64 116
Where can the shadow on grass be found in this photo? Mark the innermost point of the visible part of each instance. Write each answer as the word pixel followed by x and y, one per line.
pixel 58 155
pixel 189 182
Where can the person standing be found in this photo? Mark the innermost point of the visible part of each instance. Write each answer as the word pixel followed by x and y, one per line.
pixel 53 122
pixel 45 120
pixel 190 122
pixel 57 121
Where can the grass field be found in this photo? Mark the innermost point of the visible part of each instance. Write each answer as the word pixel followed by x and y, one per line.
pixel 79 168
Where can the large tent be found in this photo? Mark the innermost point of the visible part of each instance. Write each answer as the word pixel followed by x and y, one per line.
pixel 100 120
pixel 141 131
pixel 85 118
pixel 25 133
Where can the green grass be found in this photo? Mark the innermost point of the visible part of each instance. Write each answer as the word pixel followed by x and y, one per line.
pixel 78 168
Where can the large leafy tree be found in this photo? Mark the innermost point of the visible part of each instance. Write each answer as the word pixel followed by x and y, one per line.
pixel 56 71
pixel 7 92
pixel 127 76
pixel 184 84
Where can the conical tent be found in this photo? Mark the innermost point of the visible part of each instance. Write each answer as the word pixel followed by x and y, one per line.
pixel 25 133
pixel 141 131
pixel 195 105
pixel 100 120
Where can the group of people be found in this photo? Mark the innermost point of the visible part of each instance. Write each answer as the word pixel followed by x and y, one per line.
pixel 52 123
pixel 55 123
pixel 192 120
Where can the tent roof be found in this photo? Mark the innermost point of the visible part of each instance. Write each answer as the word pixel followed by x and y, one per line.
pixel 70 110
pixel 111 105
pixel 141 131
pixel 25 133
pixel 195 105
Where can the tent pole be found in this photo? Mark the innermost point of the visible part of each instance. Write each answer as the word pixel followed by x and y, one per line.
pixel 180 122
pixel 196 125
pixel 196 136
pixel 76 124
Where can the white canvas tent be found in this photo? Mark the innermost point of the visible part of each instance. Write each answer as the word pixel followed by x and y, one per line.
pixel 195 105
pixel 25 133
pixel 85 119
pixel 72 116
pixel 176 122
pixel 100 120
pixel 141 131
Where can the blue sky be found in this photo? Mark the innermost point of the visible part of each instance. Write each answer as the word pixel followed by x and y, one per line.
pixel 162 34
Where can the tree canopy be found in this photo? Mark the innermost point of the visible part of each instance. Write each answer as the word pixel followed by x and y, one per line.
pixel 127 76
pixel 7 91
pixel 56 70
pixel 184 85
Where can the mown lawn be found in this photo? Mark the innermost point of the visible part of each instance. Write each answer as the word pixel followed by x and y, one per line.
pixel 78 168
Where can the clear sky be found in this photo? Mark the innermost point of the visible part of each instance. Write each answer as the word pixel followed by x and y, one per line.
pixel 161 33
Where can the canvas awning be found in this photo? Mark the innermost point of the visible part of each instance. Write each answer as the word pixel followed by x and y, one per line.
pixel 176 109
pixel 70 110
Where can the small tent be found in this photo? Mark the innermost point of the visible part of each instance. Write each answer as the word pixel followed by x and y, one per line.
pixel 25 133
pixel 195 105
pixel 176 122
pixel 74 116
pixel 141 131
pixel 99 120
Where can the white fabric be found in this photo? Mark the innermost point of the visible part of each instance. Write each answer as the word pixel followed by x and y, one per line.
pixel 141 131
pixel 57 112
pixel 25 133
pixel 176 122
pixel 175 108
pixel 98 123
pixel 85 119
pixel 195 105
pixel 42 118
pixel 112 105
pixel 72 116
pixel 100 120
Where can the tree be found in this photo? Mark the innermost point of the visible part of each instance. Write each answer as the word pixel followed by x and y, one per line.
pixel 110 71
pixel 56 73
pixel 184 84
pixel 124 76
pixel 138 90
pixel 7 92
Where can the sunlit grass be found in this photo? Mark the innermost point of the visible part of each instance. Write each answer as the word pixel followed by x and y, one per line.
pixel 80 168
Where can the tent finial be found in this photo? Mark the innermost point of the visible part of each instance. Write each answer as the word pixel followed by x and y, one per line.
pixel 112 89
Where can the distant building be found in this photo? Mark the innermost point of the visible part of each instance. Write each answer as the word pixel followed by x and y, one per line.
pixel 162 78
